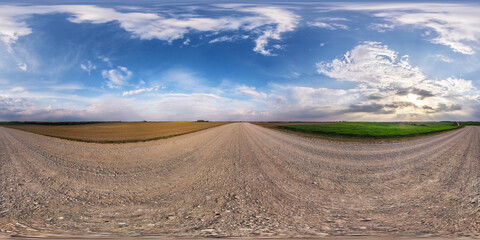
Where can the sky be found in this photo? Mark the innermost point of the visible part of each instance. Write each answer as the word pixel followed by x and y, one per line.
pixel 239 61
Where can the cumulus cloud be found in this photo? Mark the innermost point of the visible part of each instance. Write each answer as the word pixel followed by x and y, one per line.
pixel 8 104
pixel 388 84
pixel 373 64
pixel 24 109
pixel 117 77
pixel 265 21
pixel 455 25
pixel 165 107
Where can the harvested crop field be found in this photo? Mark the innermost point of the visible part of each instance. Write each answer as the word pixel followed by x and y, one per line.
pixel 241 180
pixel 117 132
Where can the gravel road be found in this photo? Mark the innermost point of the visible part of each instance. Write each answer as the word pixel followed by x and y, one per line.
pixel 240 180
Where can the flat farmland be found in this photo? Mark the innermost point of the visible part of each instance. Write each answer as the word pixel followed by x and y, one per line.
pixel 363 130
pixel 373 130
pixel 116 132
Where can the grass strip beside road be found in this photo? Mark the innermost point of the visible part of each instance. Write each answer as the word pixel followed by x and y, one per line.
pixel 117 132
pixel 469 123
pixel 372 129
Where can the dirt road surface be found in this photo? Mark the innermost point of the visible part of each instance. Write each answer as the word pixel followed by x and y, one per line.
pixel 240 180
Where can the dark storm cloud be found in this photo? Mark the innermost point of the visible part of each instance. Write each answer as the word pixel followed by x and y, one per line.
pixel 403 92
pixel 442 107
pixel 375 97
pixel 368 108
pixel 420 92
pixel 400 105
pixel 379 108
pixel 304 113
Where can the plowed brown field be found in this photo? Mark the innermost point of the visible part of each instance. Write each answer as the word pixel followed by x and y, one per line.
pixel 118 132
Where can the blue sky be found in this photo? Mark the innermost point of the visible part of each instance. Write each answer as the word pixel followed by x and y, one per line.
pixel 309 61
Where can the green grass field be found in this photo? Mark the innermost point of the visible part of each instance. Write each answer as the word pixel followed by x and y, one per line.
pixel 9 123
pixel 470 123
pixel 372 130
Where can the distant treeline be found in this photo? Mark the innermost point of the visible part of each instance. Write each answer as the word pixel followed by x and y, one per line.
pixel 53 123
pixel 469 123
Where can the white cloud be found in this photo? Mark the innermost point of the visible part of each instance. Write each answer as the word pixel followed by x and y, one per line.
pixel 443 58
pixel 138 91
pixel 390 86
pixel 373 64
pixel 88 67
pixel 228 38
pixel 268 22
pixel 329 23
pixel 17 89
pixel 193 106
pixel 11 25
pixel 107 60
pixel 381 27
pixel 278 46
pixel 332 19
pixel 331 26
pixel 186 42
pixel 22 66
pixel 250 91
pixel 306 97
pixel 283 21
pixel 117 77
pixel 455 25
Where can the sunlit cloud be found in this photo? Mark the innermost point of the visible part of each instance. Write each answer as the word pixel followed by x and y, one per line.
pixel 250 91
pixel 138 91
pixel 389 85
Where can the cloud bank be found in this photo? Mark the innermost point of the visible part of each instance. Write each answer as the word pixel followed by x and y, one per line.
pixel 267 22
pixel 389 85
pixel 388 88
pixel 454 25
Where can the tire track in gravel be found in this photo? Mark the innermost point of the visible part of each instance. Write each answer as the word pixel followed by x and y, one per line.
pixel 241 180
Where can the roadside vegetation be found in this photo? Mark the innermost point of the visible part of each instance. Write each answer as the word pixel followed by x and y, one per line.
pixel 113 132
pixel 470 123
pixel 363 130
